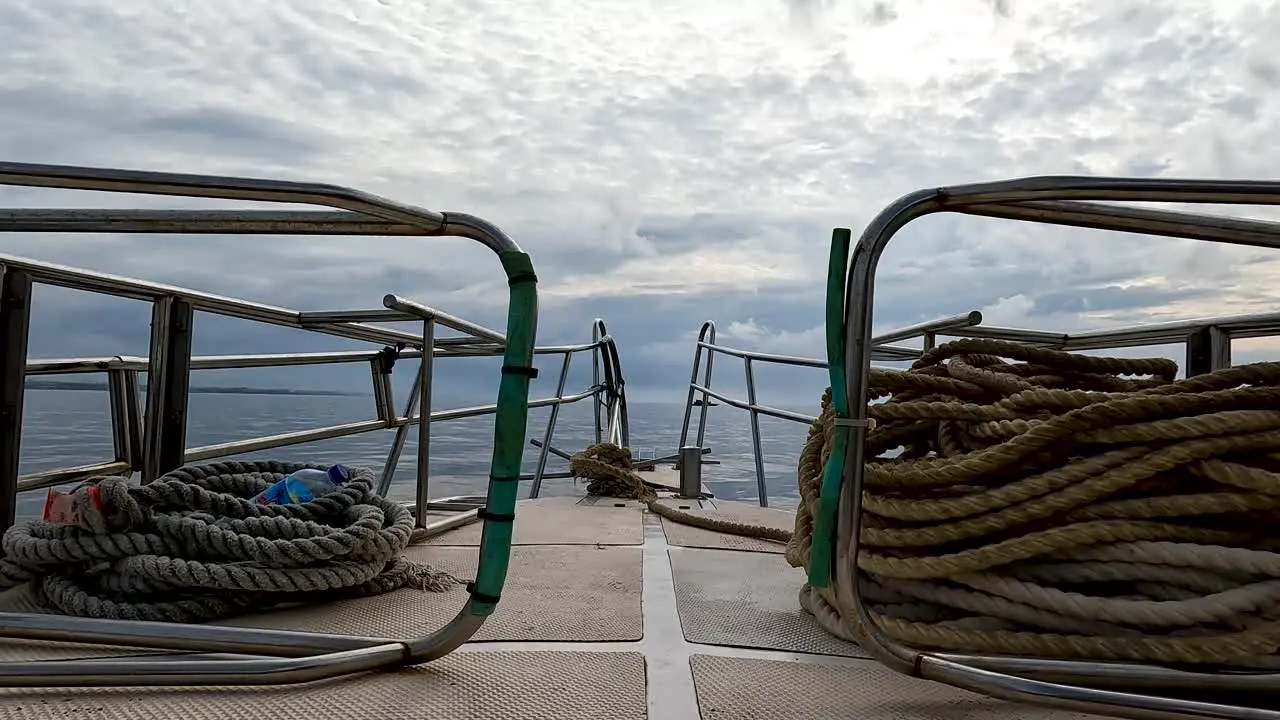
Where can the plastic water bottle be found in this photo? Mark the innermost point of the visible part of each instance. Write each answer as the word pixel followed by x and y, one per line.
pixel 303 486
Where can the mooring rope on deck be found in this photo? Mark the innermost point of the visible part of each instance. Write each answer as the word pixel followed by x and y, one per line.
pixel 193 547
pixel 608 469
pixel 1051 504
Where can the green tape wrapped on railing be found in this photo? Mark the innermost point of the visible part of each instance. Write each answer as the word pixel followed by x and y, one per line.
pixel 509 433
pixel 823 544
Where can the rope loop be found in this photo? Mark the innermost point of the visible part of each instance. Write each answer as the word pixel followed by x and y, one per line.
pixel 608 468
pixel 193 546
pixel 1026 501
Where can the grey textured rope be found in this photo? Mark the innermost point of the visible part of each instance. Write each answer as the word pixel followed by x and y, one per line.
pixel 192 546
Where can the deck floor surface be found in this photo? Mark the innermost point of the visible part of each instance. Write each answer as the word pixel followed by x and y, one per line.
pixel 609 612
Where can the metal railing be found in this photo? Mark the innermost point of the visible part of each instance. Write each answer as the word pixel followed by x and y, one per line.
pixel 153 441
pixel 609 403
pixel 883 350
pixel 1206 341
pixel 610 406
pixel 1207 345
pixel 137 449
pixel 1067 201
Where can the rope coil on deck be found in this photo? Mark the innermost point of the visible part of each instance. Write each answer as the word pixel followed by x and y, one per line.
pixel 1061 505
pixel 193 547
pixel 608 469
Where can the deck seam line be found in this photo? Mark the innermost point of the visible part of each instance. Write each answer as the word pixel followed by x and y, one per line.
pixel 669 675
pixel 803 658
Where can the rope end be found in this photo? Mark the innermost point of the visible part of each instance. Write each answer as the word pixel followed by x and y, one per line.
pixel 428 579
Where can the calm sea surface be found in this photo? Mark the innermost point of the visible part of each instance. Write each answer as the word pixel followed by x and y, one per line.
pixel 71 427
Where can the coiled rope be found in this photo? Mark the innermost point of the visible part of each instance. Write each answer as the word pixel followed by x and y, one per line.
pixel 192 547
pixel 1059 505
pixel 608 469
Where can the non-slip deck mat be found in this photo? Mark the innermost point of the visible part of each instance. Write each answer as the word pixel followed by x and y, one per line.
pixel 690 536
pixel 750 689
pixel 461 686
pixel 561 521
pixel 553 593
pixel 23 600
pixel 747 599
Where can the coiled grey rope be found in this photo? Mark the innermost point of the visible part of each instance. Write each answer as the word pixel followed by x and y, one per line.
pixel 193 547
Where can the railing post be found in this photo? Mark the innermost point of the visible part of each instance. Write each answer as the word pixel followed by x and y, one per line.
pixel 688 403
pixel 756 450
pixel 536 486
pixel 690 462
pixel 707 334
pixel 425 371
pixel 1208 349
pixel 402 434
pixel 122 420
pixel 616 434
pixel 597 334
pixel 15 328
pixel 133 408
pixel 621 412
pixel 380 368
pixel 168 386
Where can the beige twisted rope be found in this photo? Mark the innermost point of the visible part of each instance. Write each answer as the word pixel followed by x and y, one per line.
pixel 608 468
pixel 1060 505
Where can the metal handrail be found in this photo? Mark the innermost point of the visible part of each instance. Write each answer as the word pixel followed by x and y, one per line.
pixel 1068 201
pixel 1207 341
pixel 614 400
pixel 608 396
pixel 127 417
pixel 883 350
pixel 159 444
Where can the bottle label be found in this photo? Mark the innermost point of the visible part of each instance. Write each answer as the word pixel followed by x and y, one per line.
pixel 62 508
pixel 297 491
pixel 276 494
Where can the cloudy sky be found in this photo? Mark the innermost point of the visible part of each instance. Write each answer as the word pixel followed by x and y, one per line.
pixel 663 162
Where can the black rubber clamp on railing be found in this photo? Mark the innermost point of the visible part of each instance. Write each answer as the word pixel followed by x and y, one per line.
pixel 513 478
pixel 482 597
pixel 484 514
pixel 531 372
pixel 523 277
pixel 387 357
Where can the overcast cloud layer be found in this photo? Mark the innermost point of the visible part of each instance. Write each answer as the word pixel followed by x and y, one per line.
pixel 663 162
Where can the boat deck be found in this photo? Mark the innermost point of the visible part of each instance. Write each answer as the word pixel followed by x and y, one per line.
pixel 609 612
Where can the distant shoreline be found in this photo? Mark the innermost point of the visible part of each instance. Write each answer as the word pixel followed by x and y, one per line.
pixel 210 390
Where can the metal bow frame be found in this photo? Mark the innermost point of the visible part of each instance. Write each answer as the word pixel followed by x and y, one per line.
pixel 1118 689
pixel 282 656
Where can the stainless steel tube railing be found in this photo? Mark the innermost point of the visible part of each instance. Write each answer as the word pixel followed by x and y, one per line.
pixel 702 391
pixel 1068 201
pixel 155 442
